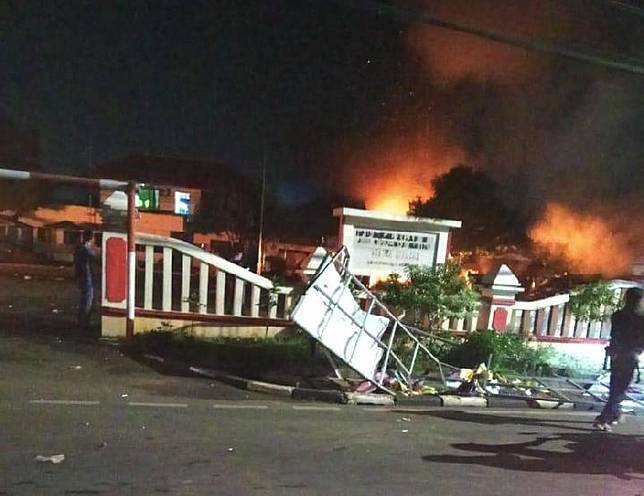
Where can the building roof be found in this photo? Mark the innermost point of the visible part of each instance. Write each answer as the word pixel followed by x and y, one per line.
pixel 397 218
pixel 170 170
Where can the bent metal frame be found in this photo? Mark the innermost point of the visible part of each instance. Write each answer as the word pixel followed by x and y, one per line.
pixel 399 334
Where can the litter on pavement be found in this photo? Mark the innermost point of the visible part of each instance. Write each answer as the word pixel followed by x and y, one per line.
pixel 52 459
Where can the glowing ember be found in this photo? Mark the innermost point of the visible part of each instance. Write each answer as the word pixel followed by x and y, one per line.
pixel 585 241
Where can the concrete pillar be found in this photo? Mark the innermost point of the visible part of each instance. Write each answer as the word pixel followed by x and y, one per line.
pixel 499 289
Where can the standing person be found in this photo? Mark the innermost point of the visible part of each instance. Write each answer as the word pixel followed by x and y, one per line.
pixel 626 344
pixel 84 260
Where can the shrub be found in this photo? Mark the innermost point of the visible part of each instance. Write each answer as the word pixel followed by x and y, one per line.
pixel 593 301
pixel 510 352
pixel 431 294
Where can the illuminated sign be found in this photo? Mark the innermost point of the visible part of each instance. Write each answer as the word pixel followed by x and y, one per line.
pixel 147 199
pixel 181 203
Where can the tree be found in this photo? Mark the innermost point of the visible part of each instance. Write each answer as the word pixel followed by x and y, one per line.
pixel 593 301
pixel 430 295
pixel 470 195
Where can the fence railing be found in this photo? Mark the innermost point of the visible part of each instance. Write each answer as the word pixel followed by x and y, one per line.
pixel 175 277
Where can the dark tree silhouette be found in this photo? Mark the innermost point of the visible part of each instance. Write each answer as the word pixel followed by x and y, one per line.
pixel 470 195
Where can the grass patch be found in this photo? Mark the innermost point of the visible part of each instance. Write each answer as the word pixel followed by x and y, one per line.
pixel 251 358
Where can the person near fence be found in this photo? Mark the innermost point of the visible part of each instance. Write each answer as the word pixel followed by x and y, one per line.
pixel 627 343
pixel 84 260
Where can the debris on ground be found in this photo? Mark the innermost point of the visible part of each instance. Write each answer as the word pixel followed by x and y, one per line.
pixel 124 395
pixel 27 277
pixel 52 458
pixel 634 394
pixel 154 357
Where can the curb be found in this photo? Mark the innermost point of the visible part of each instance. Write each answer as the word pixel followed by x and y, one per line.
pixel 370 399
pixel 460 401
pixel 340 397
pixel 267 387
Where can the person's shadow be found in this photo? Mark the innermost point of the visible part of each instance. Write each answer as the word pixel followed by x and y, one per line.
pixel 596 453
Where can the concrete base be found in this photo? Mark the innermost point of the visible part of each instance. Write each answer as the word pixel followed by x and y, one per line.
pixel 115 327
pixel 586 355
pixel 370 399
pixel 458 401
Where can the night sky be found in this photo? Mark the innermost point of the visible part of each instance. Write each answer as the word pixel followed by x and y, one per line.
pixel 335 97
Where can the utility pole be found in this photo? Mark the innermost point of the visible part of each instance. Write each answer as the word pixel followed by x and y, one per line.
pixel 260 241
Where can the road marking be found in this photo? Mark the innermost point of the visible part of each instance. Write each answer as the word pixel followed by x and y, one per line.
pixel 159 405
pixel 240 407
pixel 317 408
pixel 539 411
pixel 63 402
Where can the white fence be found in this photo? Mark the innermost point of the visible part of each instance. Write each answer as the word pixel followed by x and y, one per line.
pixel 173 276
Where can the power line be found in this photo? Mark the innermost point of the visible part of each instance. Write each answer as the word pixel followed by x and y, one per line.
pixel 408 15
pixel 628 7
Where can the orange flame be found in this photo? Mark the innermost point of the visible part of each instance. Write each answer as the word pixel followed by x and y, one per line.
pixel 396 172
pixel 585 241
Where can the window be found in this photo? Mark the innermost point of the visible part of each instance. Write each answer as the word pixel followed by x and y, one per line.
pixel 70 237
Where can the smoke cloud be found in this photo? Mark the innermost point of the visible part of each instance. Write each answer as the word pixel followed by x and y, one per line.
pixel 561 138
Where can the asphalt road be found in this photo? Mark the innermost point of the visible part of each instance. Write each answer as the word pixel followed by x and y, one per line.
pixel 126 429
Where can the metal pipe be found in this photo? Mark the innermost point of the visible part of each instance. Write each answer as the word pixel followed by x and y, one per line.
pixel 131 259
pixel 61 179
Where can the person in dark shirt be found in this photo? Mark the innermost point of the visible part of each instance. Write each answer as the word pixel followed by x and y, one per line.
pixel 84 261
pixel 626 344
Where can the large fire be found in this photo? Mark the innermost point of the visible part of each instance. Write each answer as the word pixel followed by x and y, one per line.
pixel 395 172
pixel 585 241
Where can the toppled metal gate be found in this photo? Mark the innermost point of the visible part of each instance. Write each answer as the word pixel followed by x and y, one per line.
pixel 362 338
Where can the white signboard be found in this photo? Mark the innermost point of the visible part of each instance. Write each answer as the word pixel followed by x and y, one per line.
pixel 387 251
pixel 329 312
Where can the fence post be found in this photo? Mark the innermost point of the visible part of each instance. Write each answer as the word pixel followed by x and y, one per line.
pixel 131 259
